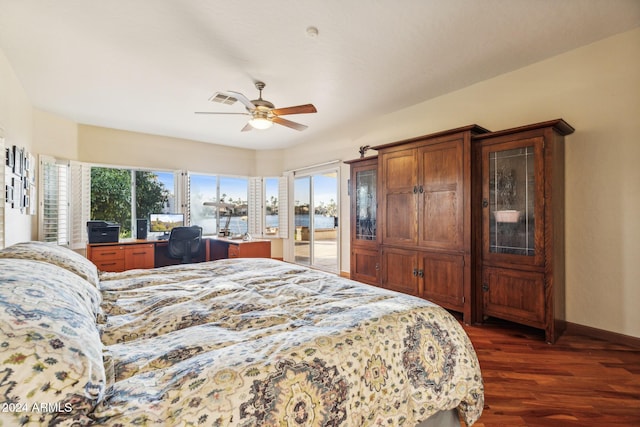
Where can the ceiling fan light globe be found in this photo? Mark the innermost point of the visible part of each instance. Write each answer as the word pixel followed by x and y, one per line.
pixel 260 123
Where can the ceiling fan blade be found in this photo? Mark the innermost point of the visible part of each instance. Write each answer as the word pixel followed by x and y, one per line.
pixel 298 109
pixel 245 101
pixel 246 128
pixel 216 112
pixel 289 123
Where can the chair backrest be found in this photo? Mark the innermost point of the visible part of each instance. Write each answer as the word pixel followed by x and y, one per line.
pixel 184 242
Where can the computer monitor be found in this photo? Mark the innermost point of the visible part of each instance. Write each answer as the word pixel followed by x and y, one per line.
pixel 164 223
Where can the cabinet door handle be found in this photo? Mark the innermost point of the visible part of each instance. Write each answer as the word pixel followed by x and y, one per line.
pixel 485 287
pixel 485 203
pixel 415 189
pixel 415 272
pixel 421 190
pixel 420 273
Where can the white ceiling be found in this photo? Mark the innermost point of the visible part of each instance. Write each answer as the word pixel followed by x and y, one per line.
pixel 148 65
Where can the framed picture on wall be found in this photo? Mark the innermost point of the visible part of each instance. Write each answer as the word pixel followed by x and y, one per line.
pixel 9 159
pixel 18 193
pixel 31 168
pixel 9 193
pixel 25 163
pixel 18 160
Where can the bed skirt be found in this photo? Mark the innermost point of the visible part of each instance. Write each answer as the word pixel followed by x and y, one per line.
pixel 442 419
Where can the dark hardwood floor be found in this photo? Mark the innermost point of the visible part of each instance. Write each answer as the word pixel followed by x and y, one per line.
pixel 578 381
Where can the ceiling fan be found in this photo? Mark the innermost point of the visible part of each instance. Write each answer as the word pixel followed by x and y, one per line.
pixel 263 113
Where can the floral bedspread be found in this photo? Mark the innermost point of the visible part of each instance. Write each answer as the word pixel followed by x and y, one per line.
pixel 258 342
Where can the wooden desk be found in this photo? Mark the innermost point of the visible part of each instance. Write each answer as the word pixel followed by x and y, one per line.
pixel 121 256
pixel 221 248
pixel 128 254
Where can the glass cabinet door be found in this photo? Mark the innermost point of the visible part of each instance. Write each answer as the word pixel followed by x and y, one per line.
pixel 512 201
pixel 365 205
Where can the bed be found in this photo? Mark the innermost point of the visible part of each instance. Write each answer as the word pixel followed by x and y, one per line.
pixel 239 342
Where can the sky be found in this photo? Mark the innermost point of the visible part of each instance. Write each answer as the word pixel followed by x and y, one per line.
pixel 325 188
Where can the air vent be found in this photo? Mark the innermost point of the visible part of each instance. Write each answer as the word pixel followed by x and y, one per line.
pixel 222 98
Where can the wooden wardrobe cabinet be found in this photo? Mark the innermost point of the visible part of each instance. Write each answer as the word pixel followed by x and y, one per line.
pixel 365 256
pixel 469 219
pixel 424 201
pixel 518 223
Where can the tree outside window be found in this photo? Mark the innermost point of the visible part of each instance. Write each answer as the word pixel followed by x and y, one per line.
pixel 111 196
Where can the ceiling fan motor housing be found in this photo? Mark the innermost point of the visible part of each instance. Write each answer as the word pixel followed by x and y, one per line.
pixel 263 113
pixel 262 103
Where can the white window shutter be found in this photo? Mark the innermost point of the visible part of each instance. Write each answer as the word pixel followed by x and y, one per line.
pixel 183 194
pixel 283 207
pixel 54 201
pixel 255 212
pixel 80 203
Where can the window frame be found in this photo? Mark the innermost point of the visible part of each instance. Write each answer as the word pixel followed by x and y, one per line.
pixel 78 202
pixel 177 185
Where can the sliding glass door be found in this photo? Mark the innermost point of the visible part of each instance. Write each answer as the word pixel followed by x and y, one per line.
pixel 316 219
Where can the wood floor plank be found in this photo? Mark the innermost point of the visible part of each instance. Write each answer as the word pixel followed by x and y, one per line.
pixel 578 381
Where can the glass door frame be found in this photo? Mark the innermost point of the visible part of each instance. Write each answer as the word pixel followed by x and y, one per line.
pixel 311 234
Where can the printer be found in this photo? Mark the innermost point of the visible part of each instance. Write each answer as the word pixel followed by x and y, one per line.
pixel 103 232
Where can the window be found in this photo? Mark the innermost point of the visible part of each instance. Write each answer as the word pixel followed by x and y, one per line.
pixel 233 197
pixel 155 193
pixel 203 195
pixel 121 195
pixel 271 206
pixel 73 193
pixel 219 203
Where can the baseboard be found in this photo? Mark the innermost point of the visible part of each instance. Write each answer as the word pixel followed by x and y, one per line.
pixel 345 274
pixel 612 337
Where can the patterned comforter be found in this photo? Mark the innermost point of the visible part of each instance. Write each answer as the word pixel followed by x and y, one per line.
pixel 258 342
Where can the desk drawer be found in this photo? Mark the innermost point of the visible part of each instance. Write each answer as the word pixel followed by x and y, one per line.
pixel 234 251
pixel 107 253
pixel 108 258
pixel 110 265
pixel 139 256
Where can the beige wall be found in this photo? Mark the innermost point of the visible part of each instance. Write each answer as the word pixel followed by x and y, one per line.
pixel 116 147
pixel 596 89
pixel 16 118
pixel 54 135
pixel 269 163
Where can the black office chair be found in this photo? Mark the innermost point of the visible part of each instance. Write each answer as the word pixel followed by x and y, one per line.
pixel 184 243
